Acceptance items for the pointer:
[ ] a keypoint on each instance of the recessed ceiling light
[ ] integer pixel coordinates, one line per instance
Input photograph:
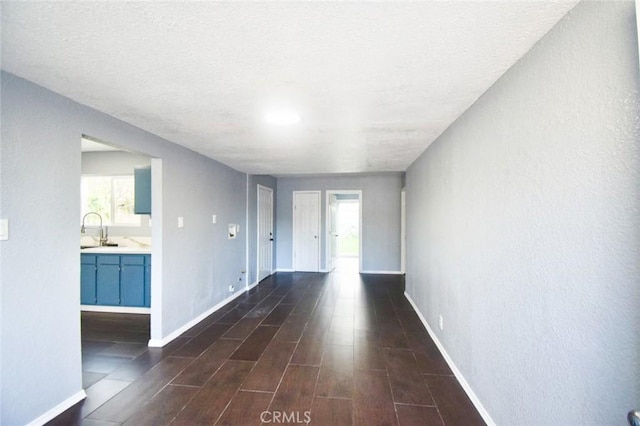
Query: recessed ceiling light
(282, 117)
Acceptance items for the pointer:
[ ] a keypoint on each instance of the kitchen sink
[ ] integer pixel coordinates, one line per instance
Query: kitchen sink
(106, 245)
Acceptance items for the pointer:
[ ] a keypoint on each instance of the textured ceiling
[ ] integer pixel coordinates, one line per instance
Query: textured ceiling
(374, 83)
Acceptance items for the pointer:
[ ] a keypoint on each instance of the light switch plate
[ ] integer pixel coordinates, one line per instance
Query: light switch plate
(4, 229)
(214, 219)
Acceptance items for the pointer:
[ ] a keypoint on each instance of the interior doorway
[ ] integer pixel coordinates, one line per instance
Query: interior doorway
(113, 228)
(120, 288)
(344, 230)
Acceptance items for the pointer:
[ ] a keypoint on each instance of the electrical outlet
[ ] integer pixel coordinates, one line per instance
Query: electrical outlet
(231, 288)
(180, 222)
(440, 322)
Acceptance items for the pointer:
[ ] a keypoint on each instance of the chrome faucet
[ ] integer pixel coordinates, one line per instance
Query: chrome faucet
(103, 235)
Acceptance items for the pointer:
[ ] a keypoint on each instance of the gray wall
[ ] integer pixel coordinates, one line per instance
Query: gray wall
(200, 262)
(254, 181)
(112, 162)
(380, 217)
(115, 163)
(40, 193)
(524, 231)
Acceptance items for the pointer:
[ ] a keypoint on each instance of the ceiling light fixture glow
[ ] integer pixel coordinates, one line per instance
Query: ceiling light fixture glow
(282, 117)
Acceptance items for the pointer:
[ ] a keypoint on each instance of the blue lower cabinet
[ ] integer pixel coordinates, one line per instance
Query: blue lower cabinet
(132, 281)
(116, 280)
(147, 282)
(108, 280)
(88, 270)
(108, 285)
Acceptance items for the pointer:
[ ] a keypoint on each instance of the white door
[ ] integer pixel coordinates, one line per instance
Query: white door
(306, 231)
(265, 232)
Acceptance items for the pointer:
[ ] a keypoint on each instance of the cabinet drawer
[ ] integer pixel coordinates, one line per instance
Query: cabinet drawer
(132, 259)
(108, 259)
(88, 259)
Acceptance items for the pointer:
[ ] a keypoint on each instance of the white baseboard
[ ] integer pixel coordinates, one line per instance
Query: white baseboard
(115, 309)
(463, 382)
(158, 343)
(362, 272)
(58, 409)
(252, 285)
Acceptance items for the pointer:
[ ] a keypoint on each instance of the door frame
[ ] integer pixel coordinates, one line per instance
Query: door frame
(403, 231)
(330, 192)
(293, 239)
(258, 232)
(329, 266)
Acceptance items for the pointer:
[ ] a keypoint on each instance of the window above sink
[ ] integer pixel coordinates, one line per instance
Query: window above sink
(110, 196)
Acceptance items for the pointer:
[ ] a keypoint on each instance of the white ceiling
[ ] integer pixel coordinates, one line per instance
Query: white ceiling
(374, 83)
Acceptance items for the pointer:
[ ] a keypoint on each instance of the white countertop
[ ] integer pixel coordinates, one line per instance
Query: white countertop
(117, 250)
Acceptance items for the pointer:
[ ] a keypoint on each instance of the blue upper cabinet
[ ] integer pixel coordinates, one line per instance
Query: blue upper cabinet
(142, 200)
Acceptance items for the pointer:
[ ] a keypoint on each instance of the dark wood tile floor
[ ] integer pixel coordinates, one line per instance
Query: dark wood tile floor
(332, 349)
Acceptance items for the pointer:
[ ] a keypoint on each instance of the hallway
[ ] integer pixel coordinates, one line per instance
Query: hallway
(338, 349)
(349, 265)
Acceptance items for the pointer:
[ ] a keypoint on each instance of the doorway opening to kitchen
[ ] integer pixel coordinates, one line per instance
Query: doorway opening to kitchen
(344, 226)
(117, 284)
